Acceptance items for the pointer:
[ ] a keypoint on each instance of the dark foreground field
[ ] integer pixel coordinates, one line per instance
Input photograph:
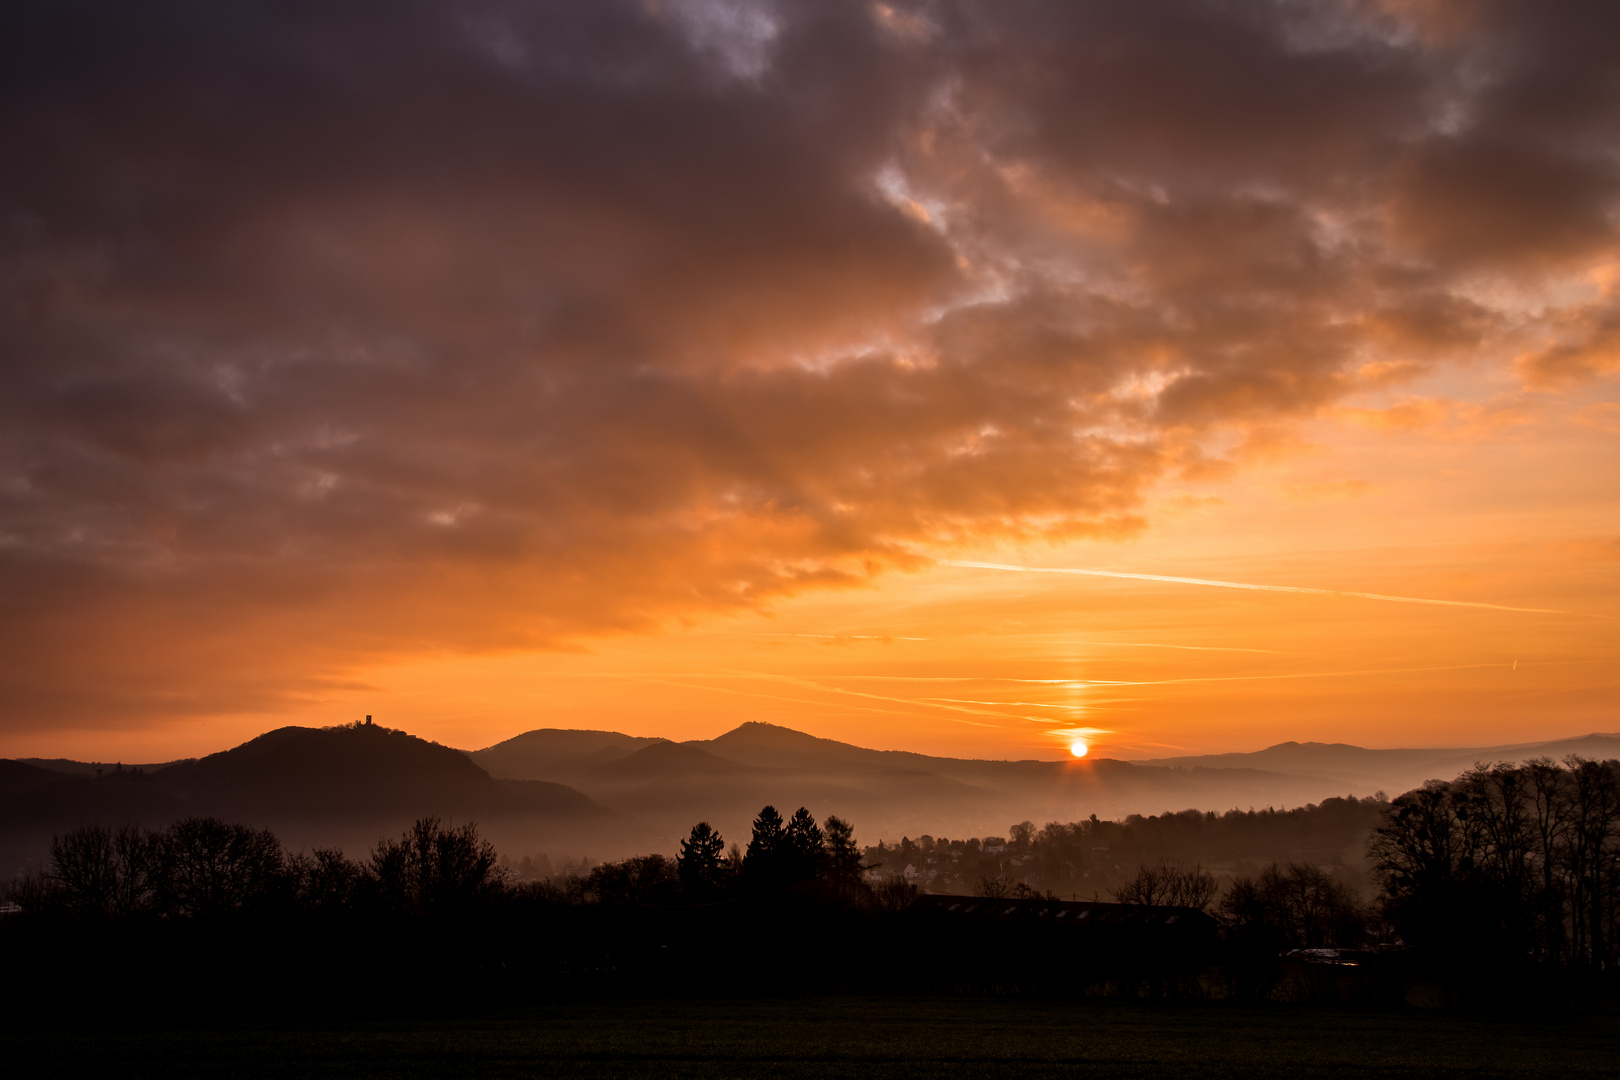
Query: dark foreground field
(844, 1037)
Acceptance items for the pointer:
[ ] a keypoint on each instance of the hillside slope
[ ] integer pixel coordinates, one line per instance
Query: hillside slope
(343, 787)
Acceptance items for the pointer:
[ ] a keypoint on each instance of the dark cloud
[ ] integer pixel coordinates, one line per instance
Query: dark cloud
(340, 332)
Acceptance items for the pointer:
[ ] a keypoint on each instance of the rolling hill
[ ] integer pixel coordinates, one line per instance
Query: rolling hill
(604, 793)
(668, 786)
(343, 787)
(889, 793)
(556, 753)
(1392, 770)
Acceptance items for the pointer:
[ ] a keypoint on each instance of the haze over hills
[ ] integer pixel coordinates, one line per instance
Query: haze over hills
(571, 793)
(1391, 770)
(552, 753)
(888, 793)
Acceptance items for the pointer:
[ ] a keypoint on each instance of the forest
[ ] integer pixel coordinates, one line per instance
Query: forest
(1507, 876)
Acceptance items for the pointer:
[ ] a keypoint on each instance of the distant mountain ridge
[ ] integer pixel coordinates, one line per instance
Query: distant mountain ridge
(551, 753)
(725, 779)
(1393, 769)
(91, 768)
(605, 792)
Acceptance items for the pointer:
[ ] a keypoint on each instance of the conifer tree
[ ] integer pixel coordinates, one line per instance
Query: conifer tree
(765, 845)
(803, 842)
(699, 864)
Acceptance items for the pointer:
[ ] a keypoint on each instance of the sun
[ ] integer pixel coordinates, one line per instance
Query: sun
(1078, 748)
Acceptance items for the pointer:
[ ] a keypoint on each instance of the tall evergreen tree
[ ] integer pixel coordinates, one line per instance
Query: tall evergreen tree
(803, 842)
(699, 864)
(767, 848)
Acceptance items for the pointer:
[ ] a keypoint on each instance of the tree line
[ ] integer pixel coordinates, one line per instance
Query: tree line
(204, 868)
(1521, 860)
(1094, 857)
(1516, 864)
(795, 852)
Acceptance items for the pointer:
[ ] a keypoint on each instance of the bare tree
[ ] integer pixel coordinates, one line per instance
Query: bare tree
(843, 855)
(1594, 813)
(1149, 888)
(209, 867)
(1169, 884)
(435, 869)
(994, 886)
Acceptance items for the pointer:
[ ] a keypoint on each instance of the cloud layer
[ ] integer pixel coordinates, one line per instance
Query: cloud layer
(341, 332)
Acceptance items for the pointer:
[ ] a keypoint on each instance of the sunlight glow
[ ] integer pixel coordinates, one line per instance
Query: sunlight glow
(1078, 748)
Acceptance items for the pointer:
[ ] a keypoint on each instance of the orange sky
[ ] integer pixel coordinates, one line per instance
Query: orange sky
(980, 663)
(647, 367)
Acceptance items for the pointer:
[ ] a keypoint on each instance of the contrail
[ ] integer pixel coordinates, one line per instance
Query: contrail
(850, 637)
(1256, 588)
(1190, 648)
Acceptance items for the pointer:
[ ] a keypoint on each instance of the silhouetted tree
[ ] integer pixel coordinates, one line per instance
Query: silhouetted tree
(1150, 887)
(1547, 806)
(802, 847)
(1419, 853)
(83, 870)
(763, 860)
(896, 894)
(994, 886)
(1021, 835)
(1194, 887)
(325, 880)
(210, 867)
(1594, 819)
(642, 879)
(101, 871)
(436, 870)
(843, 857)
(1170, 884)
(700, 862)
(1519, 861)
(1297, 906)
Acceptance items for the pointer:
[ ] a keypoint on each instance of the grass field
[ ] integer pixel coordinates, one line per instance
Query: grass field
(835, 1037)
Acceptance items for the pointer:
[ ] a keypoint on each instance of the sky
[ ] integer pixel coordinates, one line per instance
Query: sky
(662, 365)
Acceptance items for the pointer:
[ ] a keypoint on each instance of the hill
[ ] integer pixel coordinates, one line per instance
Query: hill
(604, 793)
(1392, 770)
(556, 753)
(888, 793)
(341, 787)
(297, 772)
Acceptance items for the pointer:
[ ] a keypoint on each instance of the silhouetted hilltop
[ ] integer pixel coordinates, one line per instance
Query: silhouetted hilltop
(774, 747)
(725, 780)
(556, 753)
(663, 759)
(1395, 769)
(92, 768)
(340, 786)
(19, 776)
(363, 768)
(36, 801)
(623, 793)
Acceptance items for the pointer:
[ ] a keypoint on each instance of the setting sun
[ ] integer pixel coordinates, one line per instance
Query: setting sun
(1078, 748)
